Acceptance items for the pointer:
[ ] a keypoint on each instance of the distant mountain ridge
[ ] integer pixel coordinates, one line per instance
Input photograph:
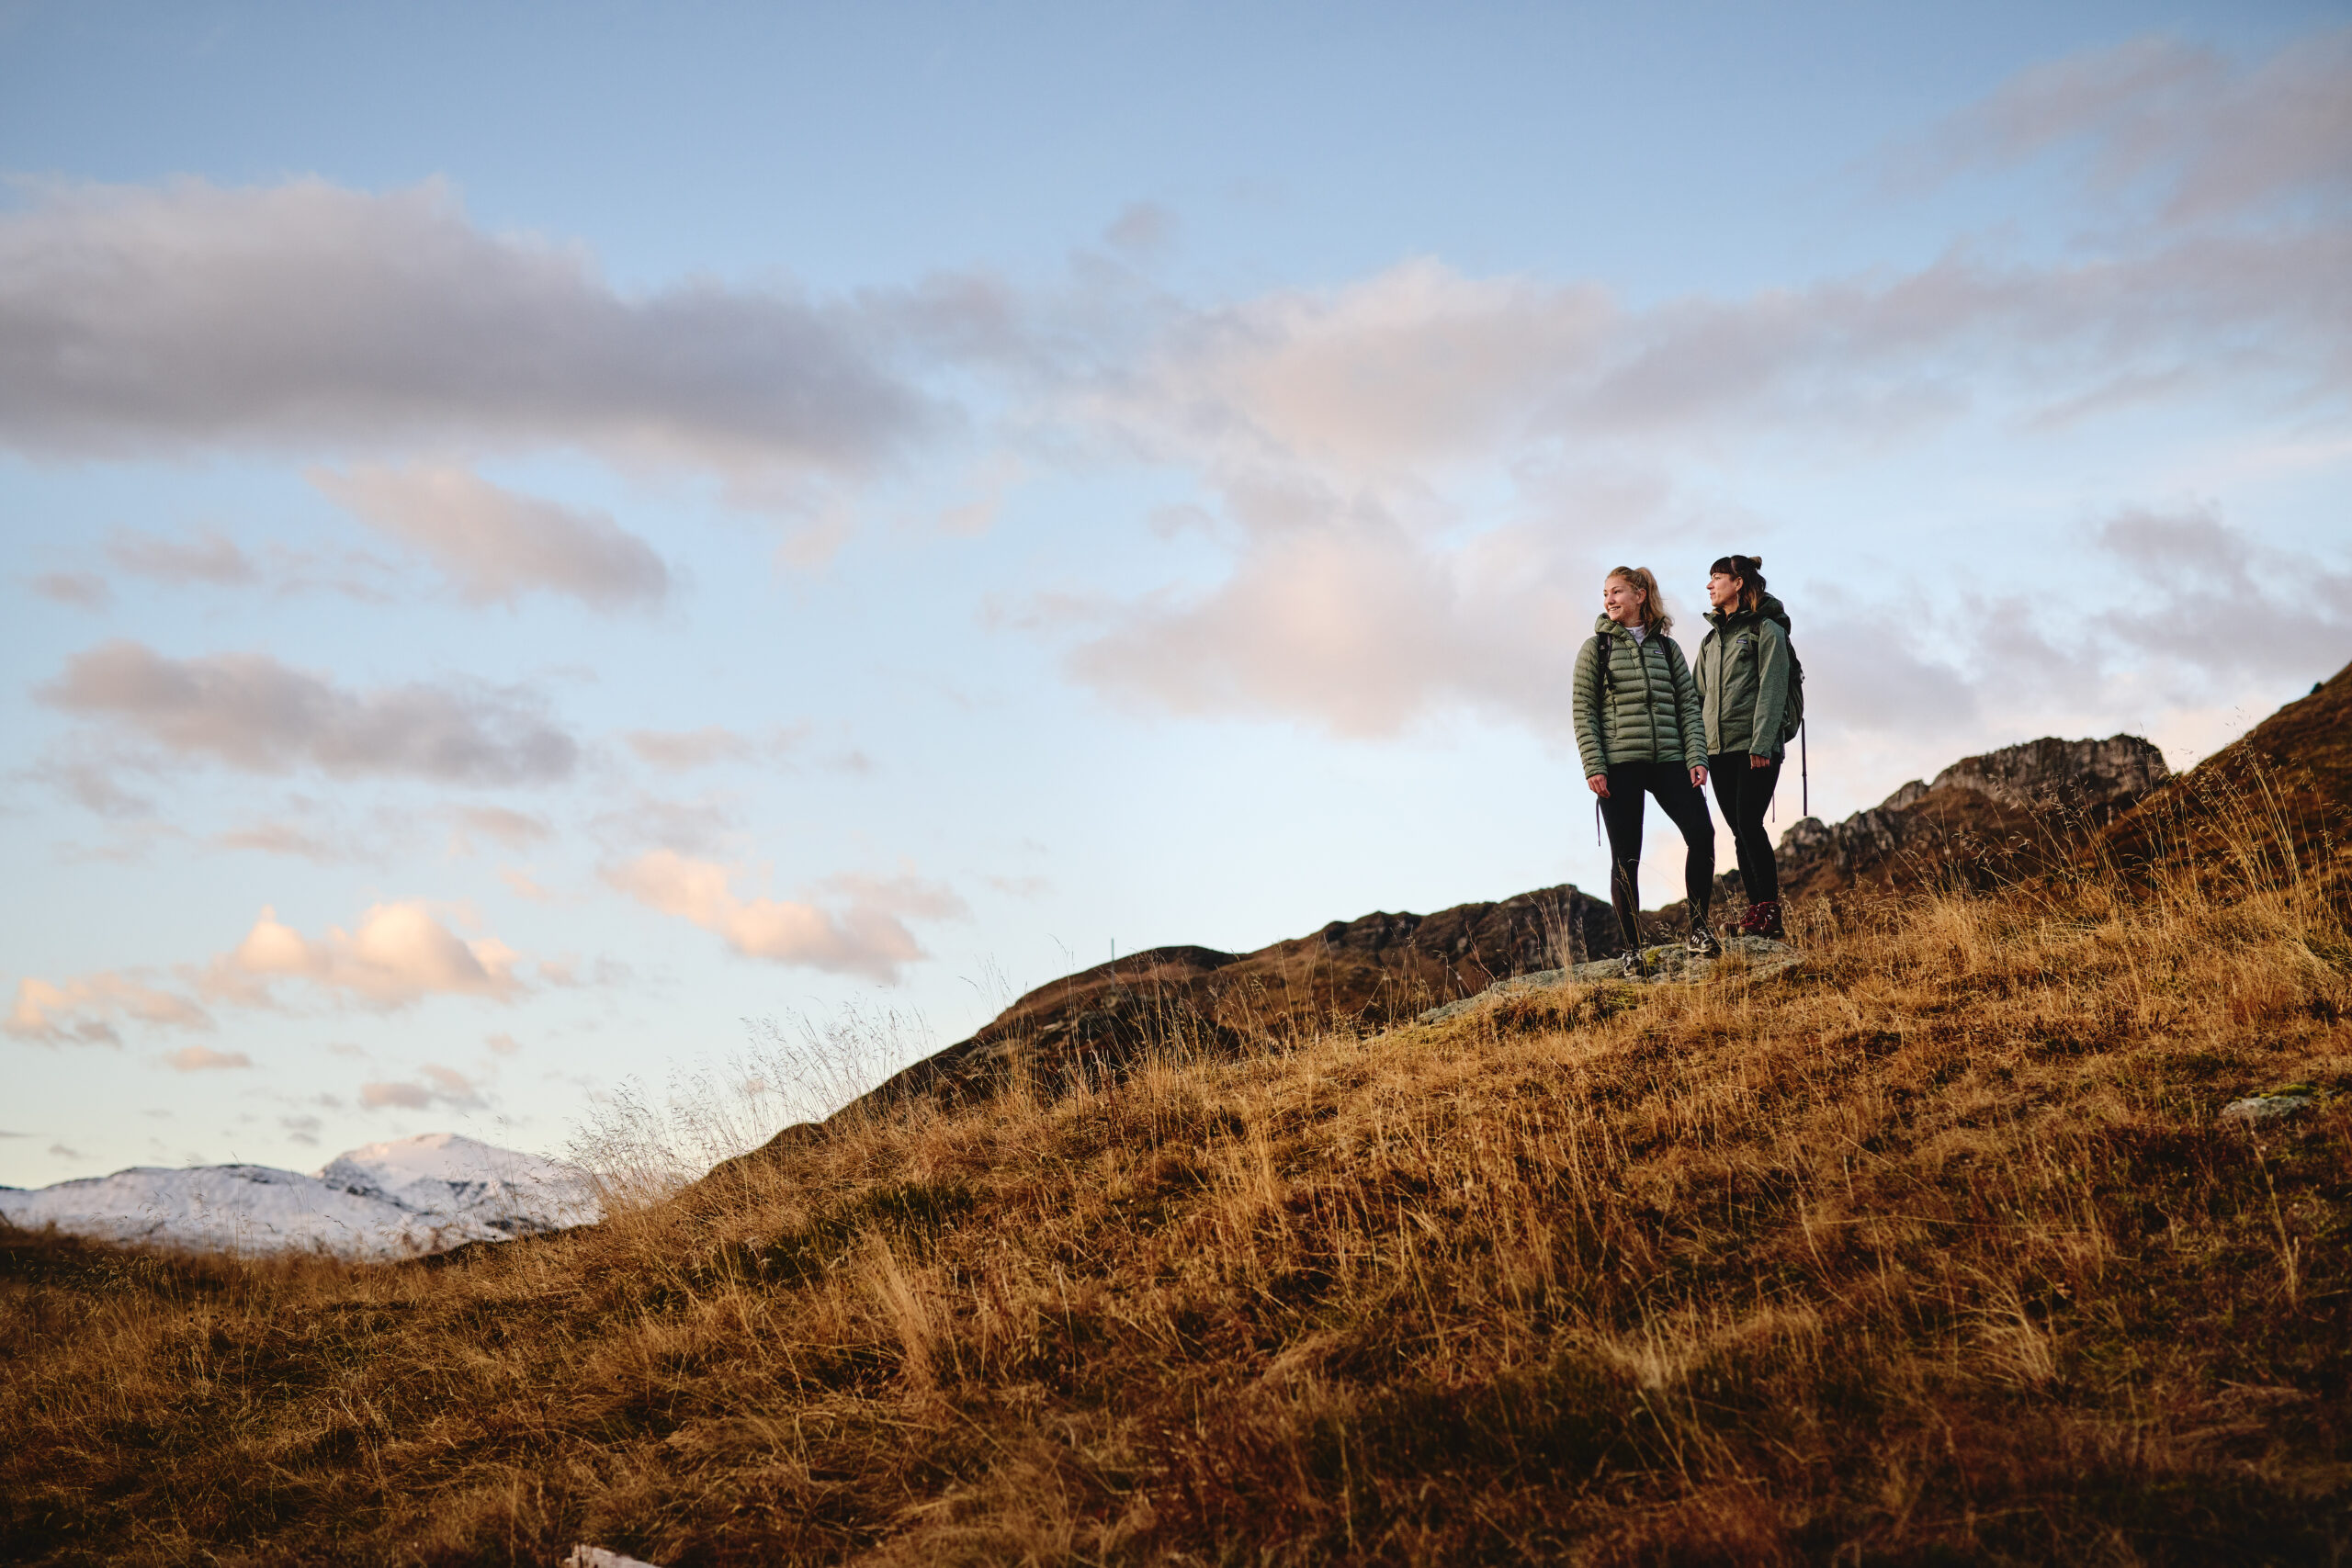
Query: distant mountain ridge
(406, 1198)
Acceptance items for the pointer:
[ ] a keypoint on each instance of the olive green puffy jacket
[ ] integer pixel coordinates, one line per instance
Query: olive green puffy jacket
(1650, 710)
(1744, 679)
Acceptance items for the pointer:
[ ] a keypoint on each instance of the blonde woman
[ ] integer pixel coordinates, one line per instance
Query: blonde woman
(1639, 730)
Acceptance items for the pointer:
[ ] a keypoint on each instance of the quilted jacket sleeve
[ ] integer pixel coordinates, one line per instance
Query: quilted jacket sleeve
(1587, 712)
(1687, 713)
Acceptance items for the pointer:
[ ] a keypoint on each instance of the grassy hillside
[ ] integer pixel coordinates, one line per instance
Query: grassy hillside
(2294, 768)
(1933, 1251)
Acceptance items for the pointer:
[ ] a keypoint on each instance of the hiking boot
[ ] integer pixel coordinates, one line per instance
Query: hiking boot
(1702, 943)
(1767, 921)
(1634, 969)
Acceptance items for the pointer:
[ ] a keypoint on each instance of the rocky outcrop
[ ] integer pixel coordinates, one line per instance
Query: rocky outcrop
(1742, 958)
(1982, 818)
(1370, 972)
(2048, 775)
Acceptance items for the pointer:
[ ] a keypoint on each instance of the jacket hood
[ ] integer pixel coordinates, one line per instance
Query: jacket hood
(1768, 608)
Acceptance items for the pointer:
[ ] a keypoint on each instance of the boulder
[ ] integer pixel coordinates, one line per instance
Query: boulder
(2274, 1103)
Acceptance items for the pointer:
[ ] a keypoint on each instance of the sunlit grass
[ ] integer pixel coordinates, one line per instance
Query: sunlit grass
(1933, 1249)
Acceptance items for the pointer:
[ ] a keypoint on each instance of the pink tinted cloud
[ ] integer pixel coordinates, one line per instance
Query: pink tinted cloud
(496, 545)
(863, 934)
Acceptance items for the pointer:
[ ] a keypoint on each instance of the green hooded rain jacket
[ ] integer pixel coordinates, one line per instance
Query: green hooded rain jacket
(1744, 679)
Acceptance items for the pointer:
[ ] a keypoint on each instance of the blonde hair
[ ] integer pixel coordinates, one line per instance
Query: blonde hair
(1653, 611)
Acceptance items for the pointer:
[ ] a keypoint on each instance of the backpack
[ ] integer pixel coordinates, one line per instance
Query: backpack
(1792, 725)
(1792, 709)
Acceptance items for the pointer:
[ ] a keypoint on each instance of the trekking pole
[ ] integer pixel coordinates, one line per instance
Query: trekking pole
(1804, 770)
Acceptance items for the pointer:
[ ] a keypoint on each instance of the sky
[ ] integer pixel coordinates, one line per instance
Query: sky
(558, 558)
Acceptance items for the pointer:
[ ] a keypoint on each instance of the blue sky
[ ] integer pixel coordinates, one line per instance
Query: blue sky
(537, 535)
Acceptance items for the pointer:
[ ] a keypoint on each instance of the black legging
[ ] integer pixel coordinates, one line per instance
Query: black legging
(1686, 807)
(1744, 792)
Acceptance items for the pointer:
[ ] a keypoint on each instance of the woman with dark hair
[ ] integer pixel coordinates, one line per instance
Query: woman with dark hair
(1639, 730)
(1743, 678)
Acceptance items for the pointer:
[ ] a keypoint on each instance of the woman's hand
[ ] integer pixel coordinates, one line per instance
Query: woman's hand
(1699, 777)
(1599, 782)
(1756, 761)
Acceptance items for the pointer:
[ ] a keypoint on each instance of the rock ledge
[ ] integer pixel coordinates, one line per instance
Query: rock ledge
(1744, 958)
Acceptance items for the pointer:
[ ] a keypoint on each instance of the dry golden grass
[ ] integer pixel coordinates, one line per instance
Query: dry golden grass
(1933, 1251)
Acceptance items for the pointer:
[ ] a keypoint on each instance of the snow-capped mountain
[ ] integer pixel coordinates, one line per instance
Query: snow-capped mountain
(402, 1198)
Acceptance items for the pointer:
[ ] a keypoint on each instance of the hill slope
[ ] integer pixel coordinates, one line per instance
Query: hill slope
(1369, 972)
(1984, 818)
(2293, 771)
(1933, 1250)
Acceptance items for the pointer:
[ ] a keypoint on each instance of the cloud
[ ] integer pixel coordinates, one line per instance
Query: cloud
(214, 560)
(399, 955)
(281, 839)
(690, 827)
(565, 972)
(866, 937)
(680, 751)
(84, 1010)
(444, 1087)
(1364, 628)
(497, 544)
(2221, 603)
(94, 777)
(1369, 457)
(198, 1058)
(1306, 409)
(256, 714)
(306, 316)
(2214, 136)
(83, 590)
(523, 885)
(502, 1044)
(912, 896)
(2207, 610)
(1143, 230)
(993, 481)
(515, 830)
